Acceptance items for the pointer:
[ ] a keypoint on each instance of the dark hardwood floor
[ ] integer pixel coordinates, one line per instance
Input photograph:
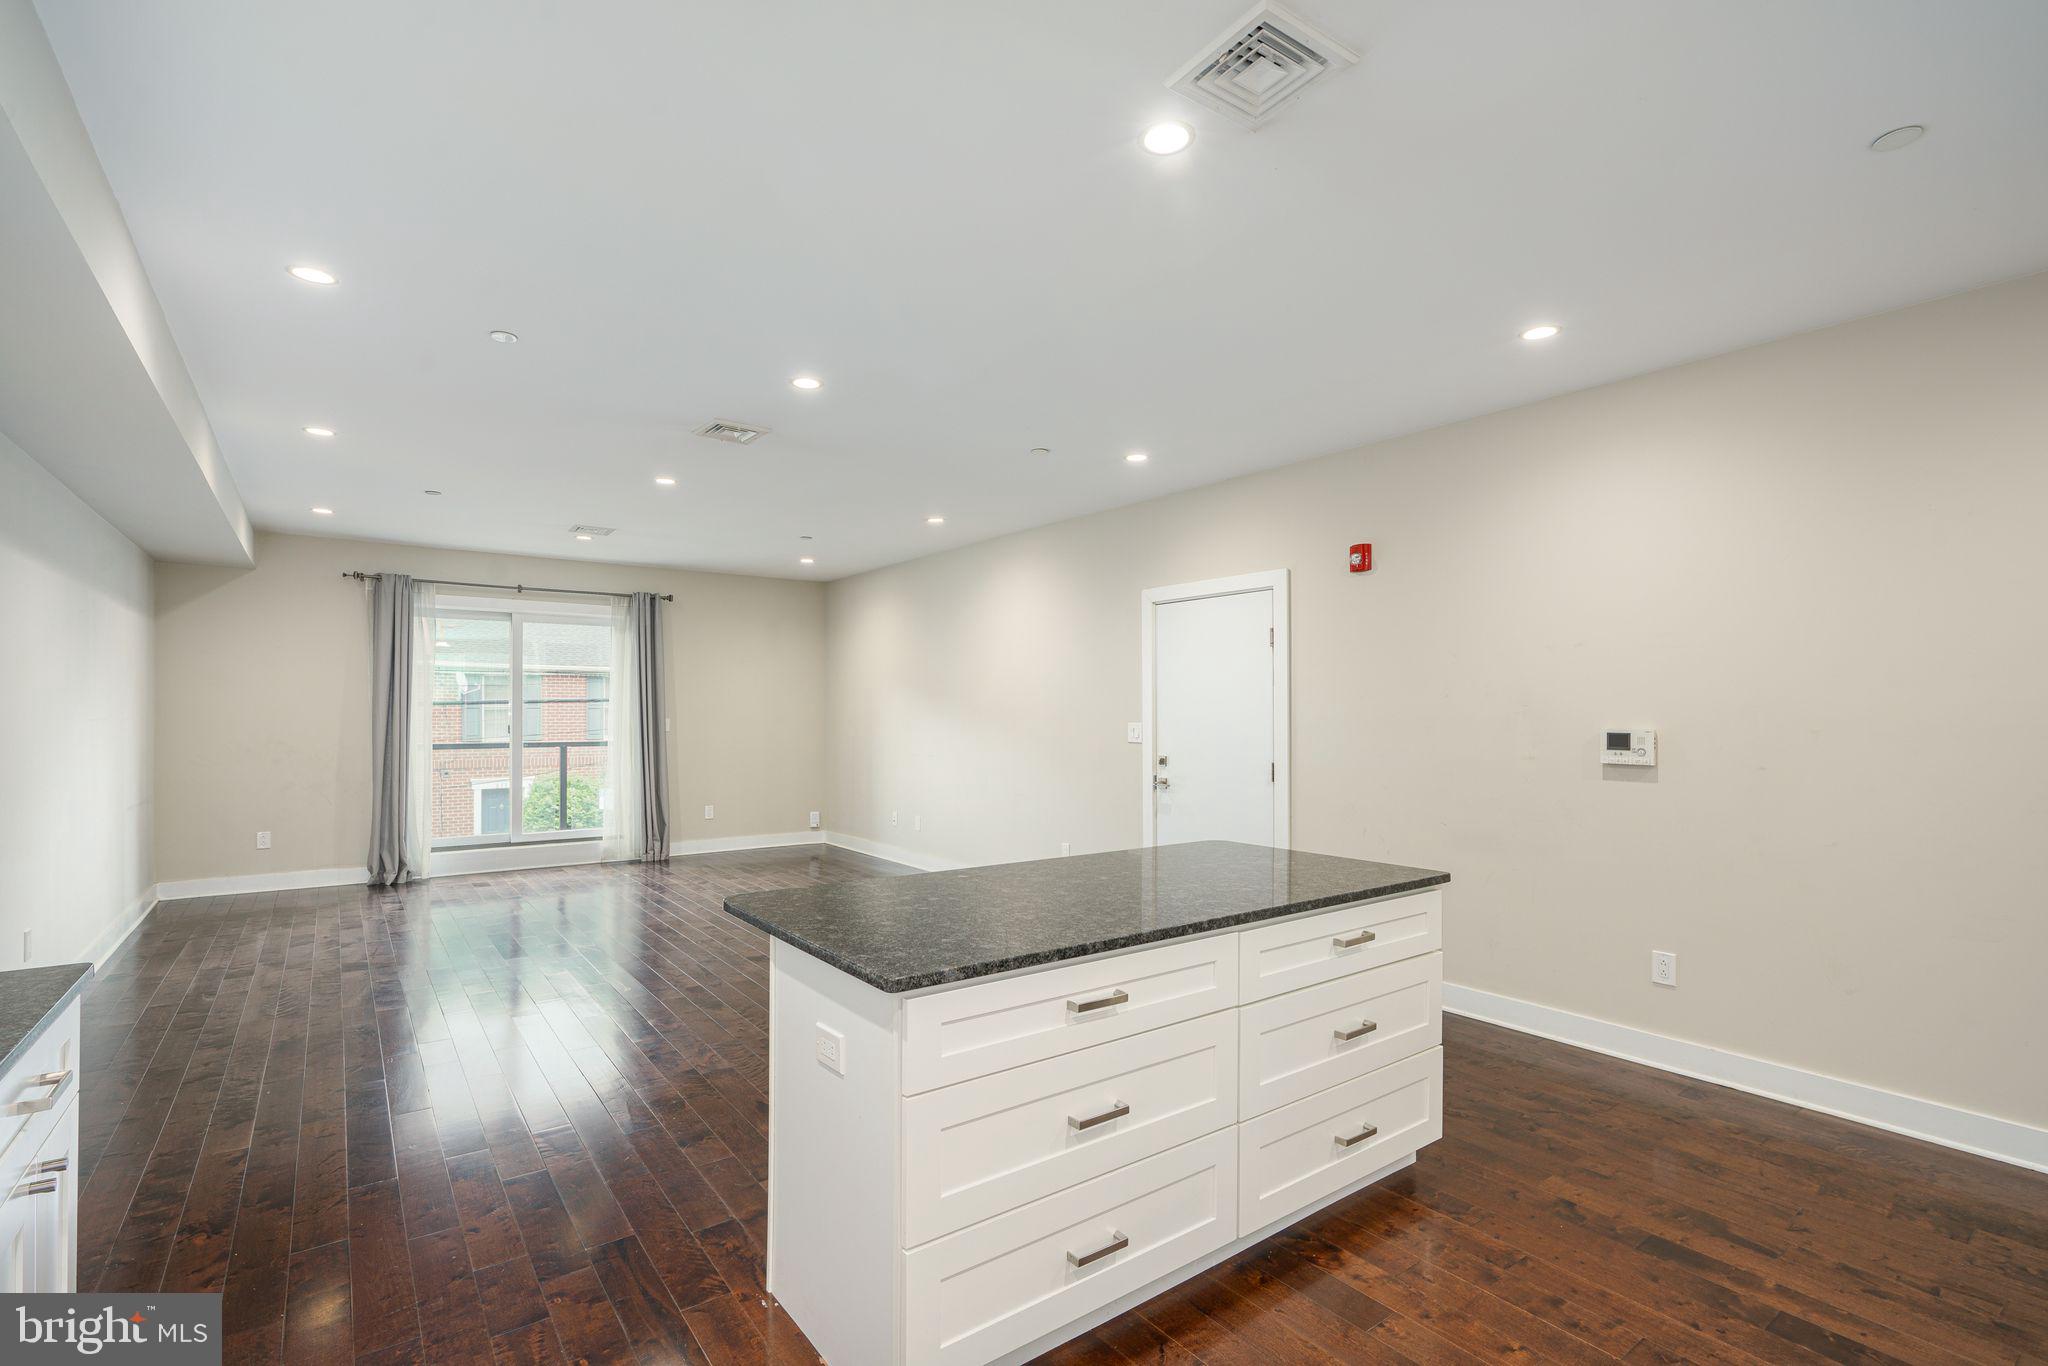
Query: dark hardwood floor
(524, 1117)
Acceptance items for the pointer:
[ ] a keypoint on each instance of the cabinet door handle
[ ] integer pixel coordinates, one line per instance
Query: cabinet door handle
(1352, 941)
(55, 1164)
(56, 1081)
(37, 1188)
(1115, 998)
(1350, 1140)
(1117, 1243)
(1117, 1110)
(1365, 1027)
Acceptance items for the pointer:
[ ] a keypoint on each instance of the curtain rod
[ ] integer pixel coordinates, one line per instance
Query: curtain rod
(513, 587)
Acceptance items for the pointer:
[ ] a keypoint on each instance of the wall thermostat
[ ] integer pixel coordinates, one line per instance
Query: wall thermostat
(1637, 748)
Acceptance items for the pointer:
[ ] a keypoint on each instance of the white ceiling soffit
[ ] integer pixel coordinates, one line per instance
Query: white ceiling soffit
(982, 260)
(91, 384)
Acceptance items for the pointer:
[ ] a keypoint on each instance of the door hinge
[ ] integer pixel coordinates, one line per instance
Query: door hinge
(1269, 635)
(1273, 772)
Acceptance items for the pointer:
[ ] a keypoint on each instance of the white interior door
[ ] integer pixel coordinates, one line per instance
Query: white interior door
(1215, 766)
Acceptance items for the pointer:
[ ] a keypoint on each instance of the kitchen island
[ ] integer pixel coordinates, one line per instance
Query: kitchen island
(1008, 1103)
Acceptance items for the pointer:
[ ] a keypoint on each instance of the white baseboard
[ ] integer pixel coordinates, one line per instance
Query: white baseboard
(727, 843)
(512, 858)
(924, 863)
(1985, 1135)
(261, 882)
(116, 934)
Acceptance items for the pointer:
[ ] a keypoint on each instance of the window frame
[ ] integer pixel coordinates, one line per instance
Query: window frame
(518, 617)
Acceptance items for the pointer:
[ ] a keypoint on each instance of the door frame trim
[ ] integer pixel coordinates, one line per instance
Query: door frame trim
(1149, 602)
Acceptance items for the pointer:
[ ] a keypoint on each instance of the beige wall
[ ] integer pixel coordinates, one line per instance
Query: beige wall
(263, 699)
(1818, 566)
(74, 695)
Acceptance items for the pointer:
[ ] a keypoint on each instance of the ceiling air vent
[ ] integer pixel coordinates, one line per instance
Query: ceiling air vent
(738, 433)
(1256, 68)
(592, 530)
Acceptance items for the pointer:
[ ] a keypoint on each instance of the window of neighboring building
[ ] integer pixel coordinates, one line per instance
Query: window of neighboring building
(594, 705)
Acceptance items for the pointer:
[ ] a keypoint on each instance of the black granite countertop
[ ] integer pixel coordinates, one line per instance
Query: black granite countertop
(903, 933)
(30, 999)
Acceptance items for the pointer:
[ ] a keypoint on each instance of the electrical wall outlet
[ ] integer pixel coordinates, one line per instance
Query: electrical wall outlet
(892, 818)
(1065, 849)
(831, 1049)
(917, 822)
(707, 813)
(262, 839)
(814, 820)
(1663, 967)
(26, 956)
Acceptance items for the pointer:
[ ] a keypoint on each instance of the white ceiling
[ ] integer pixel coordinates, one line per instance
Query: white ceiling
(943, 210)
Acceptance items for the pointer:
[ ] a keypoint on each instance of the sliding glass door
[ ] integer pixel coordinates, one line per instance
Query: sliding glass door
(527, 764)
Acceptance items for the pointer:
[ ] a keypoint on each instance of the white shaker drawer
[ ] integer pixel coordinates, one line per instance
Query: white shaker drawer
(1295, 1045)
(43, 1080)
(984, 1146)
(1315, 948)
(985, 1290)
(1294, 1156)
(984, 1027)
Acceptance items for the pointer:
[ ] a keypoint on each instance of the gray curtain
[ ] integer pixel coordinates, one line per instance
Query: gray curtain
(391, 669)
(643, 619)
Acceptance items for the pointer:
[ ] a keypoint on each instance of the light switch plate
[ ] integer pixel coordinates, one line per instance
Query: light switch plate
(1134, 732)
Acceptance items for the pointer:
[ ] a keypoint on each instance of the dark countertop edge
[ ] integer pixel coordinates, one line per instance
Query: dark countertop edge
(71, 993)
(1038, 958)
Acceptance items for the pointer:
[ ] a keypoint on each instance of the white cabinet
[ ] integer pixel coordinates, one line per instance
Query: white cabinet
(39, 1163)
(986, 1169)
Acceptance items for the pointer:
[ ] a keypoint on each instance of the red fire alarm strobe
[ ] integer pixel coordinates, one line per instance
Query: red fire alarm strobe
(1361, 557)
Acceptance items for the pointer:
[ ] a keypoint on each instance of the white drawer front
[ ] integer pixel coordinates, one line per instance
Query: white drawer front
(1293, 1046)
(987, 1289)
(1300, 953)
(29, 1107)
(1294, 1156)
(984, 1146)
(984, 1027)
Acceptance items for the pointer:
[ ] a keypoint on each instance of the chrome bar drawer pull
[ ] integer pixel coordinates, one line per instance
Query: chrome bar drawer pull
(37, 1188)
(1365, 1027)
(1117, 1243)
(1115, 998)
(55, 1164)
(1346, 1141)
(56, 1081)
(1117, 1110)
(1352, 941)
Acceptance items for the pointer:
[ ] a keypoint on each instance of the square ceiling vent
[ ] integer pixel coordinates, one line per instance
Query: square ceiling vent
(738, 433)
(1260, 64)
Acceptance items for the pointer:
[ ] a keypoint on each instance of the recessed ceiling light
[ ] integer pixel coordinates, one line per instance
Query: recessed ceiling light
(1540, 332)
(582, 535)
(806, 538)
(323, 512)
(501, 335)
(805, 559)
(1041, 450)
(1898, 137)
(312, 275)
(322, 432)
(934, 521)
(663, 479)
(1164, 139)
(1136, 458)
(808, 382)
(431, 493)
